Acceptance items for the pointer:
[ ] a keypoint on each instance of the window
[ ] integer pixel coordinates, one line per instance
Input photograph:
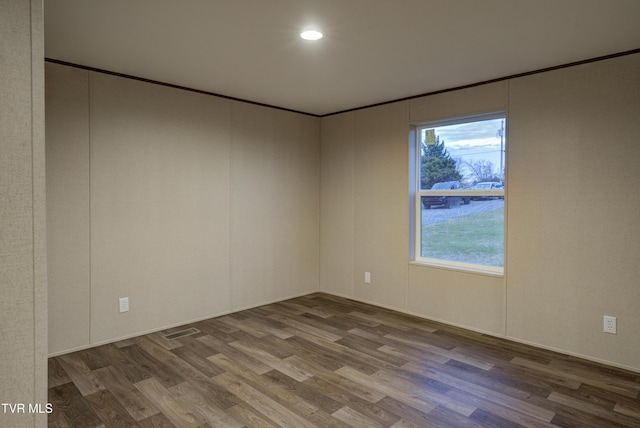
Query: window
(458, 179)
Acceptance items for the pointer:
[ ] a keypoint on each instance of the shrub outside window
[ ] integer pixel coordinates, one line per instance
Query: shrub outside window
(459, 180)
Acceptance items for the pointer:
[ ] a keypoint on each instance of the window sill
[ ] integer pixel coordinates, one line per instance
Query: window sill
(464, 269)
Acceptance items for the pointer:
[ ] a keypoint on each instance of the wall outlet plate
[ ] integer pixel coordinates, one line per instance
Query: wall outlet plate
(610, 325)
(367, 277)
(124, 304)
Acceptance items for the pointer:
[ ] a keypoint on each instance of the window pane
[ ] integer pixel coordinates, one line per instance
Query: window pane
(471, 233)
(468, 153)
(457, 156)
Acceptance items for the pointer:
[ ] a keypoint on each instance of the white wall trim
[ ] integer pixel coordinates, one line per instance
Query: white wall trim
(493, 334)
(174, 325)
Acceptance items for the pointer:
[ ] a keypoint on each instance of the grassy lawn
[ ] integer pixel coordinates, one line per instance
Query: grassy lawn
(477, 239)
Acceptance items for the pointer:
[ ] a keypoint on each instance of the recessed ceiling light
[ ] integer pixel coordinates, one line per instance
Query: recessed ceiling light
(311, 35)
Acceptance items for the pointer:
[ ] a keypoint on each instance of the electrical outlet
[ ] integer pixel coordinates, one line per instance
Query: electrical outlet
(124, 304)
(610, 324)
(367, 277)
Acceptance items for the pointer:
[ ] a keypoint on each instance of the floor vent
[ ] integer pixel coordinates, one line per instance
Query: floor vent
(181, 333)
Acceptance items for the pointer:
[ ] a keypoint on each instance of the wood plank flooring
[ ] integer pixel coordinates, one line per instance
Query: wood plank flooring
(324, 361)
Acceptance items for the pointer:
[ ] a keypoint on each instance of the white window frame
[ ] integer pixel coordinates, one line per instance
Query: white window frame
(416, 193)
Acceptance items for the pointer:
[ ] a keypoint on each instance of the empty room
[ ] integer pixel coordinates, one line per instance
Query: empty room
(320, 213)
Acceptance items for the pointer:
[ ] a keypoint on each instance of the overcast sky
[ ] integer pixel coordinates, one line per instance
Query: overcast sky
(473, 141)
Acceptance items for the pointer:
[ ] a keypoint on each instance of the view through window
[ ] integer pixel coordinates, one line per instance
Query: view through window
(460, 178)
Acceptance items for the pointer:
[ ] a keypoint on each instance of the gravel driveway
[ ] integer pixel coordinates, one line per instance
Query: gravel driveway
(440, 214)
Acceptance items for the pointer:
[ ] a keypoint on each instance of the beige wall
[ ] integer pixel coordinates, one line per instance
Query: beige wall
(459, 298)
(574, 234)
(140, 184)
(380, 211)
(363, 220)
(289, 215)
(336, 204)
(572, 251)
(159, 181)
(23, 306)
(274, 204)
(68, 231)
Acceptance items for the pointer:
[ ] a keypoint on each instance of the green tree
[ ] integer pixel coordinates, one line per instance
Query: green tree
(437, 165)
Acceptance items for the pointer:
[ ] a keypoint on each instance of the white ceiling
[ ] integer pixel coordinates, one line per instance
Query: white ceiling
(373, 50)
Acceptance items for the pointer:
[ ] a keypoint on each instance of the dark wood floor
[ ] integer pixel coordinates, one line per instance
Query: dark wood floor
(324, 361)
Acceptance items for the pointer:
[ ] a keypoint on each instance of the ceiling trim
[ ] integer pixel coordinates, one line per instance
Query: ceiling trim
(171, 85)
(499, 79)
(513, 76)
